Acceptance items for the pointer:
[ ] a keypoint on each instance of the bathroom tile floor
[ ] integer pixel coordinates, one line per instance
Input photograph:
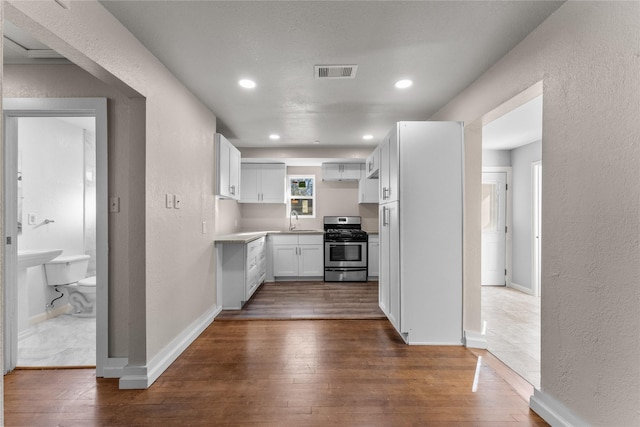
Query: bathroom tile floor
(513, 329)
(62, 341)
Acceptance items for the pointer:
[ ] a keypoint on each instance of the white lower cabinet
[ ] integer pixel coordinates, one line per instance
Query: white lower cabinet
(298, 255)
(374, 255)
(242, 268)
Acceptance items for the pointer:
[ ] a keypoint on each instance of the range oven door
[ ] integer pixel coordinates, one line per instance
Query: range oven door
(345, 254)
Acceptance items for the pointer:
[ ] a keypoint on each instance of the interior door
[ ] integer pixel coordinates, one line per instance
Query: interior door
(493, 218)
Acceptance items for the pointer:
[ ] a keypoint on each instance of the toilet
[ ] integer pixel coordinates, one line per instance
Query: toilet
(68, 272)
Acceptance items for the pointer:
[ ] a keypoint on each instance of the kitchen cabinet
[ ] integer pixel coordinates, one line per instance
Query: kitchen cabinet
(341, 171)
(420, 281)
(372, 164)
(388, 173)
(374, 255)
(263, 182)
(368, 190)
(242, 268)
(227, 168)
(298, 255)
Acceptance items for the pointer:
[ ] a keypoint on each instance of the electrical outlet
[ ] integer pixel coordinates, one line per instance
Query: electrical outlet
(177, 201)
(204, 227)
(169, 201)
(32, 219)
(114, 204)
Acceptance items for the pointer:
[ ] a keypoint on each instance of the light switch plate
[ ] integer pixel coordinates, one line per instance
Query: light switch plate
(32, 219)
(177, 201)
(169, 201)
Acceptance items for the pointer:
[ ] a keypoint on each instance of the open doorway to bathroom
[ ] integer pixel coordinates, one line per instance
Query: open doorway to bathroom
(55, 224)
(511, 149)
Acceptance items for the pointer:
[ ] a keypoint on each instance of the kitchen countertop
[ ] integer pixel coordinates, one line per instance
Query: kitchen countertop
(249, 236)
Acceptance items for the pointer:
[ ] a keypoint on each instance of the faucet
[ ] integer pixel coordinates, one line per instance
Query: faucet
(293, 212)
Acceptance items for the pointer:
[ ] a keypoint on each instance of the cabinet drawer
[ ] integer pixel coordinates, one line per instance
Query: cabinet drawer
(310, 239)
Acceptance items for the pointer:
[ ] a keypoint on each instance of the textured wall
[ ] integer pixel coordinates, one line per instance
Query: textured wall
(176, 258)
(588, 55)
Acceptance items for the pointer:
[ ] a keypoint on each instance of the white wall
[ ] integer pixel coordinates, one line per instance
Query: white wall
(522, 208)
(588, 55)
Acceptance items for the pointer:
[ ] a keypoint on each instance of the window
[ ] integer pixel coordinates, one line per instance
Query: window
(301, 195)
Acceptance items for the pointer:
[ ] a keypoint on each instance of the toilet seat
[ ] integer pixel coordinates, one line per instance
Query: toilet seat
(87, 283)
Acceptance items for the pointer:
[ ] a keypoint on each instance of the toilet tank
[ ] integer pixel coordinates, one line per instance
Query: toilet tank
(66, 269)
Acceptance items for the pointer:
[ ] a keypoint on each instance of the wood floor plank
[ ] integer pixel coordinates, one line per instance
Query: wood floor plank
(284, 373)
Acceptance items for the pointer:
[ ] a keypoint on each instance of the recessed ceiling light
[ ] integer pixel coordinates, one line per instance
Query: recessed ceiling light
(274, 136)
(367, 137)
(403, 84)
(247, 84)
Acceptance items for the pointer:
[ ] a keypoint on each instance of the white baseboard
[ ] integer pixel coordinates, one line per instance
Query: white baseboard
(58, 311)
(521, 288)
(475, 340)
(113, 368)
(552, 411)
(142, 376)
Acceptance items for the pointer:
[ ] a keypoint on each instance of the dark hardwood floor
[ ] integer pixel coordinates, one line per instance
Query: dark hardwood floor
(284, 373)
(310, 300)
(349, 369)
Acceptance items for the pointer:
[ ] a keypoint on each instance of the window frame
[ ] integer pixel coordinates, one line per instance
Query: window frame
(312, 197)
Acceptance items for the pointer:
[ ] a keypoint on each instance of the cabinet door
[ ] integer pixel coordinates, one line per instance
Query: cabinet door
(250, 178)
(311, 260)
(389, 279)
(273, 183)
(234, 172)
(372, 165)
(331, 171)
(389, 168)
(374, 256)
(368, 190)
(383, 278)
(222, 151)
(285, 260)
(393, 226)
(351, 171)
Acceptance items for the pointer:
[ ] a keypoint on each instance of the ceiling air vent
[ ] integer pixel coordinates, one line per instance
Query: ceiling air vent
(335, 71)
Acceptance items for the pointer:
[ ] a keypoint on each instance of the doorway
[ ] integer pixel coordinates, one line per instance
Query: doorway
(511, 313)
(53, 202)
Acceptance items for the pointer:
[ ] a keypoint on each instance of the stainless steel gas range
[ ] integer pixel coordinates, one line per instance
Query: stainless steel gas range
(345, 249)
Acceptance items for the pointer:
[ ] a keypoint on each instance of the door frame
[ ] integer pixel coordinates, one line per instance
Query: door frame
(508, 242)
(13, 108)
(536, 227)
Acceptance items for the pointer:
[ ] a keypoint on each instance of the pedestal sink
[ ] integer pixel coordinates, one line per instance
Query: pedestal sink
(26, 259)
(36, 257)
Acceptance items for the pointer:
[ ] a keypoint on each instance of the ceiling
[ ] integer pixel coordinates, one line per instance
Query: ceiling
(442, 46)
(518, 127)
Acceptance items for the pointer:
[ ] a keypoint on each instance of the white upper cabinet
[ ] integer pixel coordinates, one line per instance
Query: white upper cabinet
(372, 165)
(388, 172)
(228, 168)
(263, 183)
(341, 171)
(368, 190)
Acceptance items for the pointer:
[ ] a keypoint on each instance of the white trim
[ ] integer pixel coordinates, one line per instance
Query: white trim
(508, 262)
(520, 288)
(552, 411)
(42, 317)
(475, 340)
(142, 376)
(535, 275)
(56, 107)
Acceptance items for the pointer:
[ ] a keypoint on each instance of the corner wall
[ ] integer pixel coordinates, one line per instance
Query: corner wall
(177, 150)
(588, 55)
